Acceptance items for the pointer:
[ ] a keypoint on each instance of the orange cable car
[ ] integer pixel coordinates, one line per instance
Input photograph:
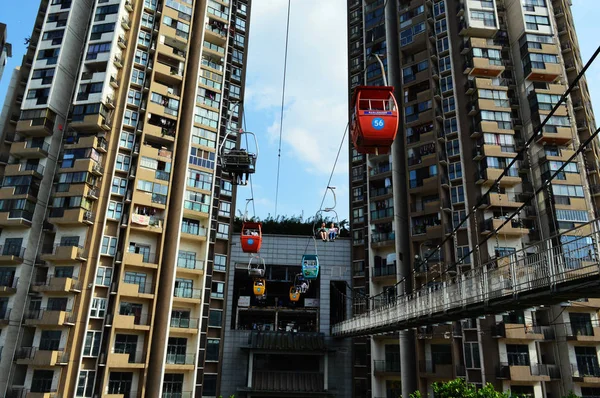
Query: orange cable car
(251, 237)
(374, 120)
(294, 294)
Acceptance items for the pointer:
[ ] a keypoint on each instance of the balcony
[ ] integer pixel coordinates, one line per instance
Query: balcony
(184, 325)
(180, 361)
(126, 360)
(379, 193)
(431, 370)
(43, 317)
(130, 322)
(562, 136)
(33, 356)
(187, 295)
(95, 122)
(38, 127)
(383, 239)
(193, 233)
(589, 372)
(386, 368)
(141, 260)
(53, 285)
(501, 200)
(488, 176)
(484, 67)
(8, 285)
(513, 331)
(142, 290)
(583, 332)
(190, 267)
(16, 218)
(11, 254)
(29, 149)
(77, 216)
(548, 74)
(147, 223)
(526, 373)
(287, 381)
(63, 254)
(512, 228)
(381, 171)
(24, 169)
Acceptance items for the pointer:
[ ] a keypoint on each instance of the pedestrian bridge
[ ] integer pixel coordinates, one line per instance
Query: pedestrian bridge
(565, 267)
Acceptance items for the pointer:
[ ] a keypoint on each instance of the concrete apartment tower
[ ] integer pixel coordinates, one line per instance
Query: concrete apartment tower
(5, 49)
(114, 210)
(476, 78)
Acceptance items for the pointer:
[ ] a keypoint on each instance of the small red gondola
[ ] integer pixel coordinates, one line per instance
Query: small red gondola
(251, 237)
(374, 120)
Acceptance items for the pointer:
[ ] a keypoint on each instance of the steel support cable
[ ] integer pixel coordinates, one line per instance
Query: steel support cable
(523, 150)
(330, 178)
(545, 184)
(287, 35)
(504, 171)
(250, 176)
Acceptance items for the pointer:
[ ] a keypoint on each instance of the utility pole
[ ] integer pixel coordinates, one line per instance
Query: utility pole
(401, 222)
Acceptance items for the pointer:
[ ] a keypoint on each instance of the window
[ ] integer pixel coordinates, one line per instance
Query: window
(218, 290)
(109, 245)
(50, 340)
(457, 194)
(209, 385)
(102, 12)
(223, 231)
(176, 350)
(472, 360)
(203, 137)
(449, 104)
(462, 251)
(407, 35)
(534, 22)
(196, 201)
(99, 29)
(226, 188)
(439, 8)
(443, 45)
(97, 48)
(445, 64)
(130, 118)
(220, 262)
(441, 354)
(120, 383)
(147, 20)
(134, 97)
(453, 147)
(98, 307)
(202, 158)
(173, 385)
(446, 83)
(215, 318)
(212, 349)
(119, 186)
(487, 17)
(85, 383)
(103, 276)
(181, 28)
(144, 39)
(42, 381)
(224, 209)
(517, 354)
(141, 57)
(137, 278)
(93, 338)
(114, 210)
(455, 170)
(234, 91)
(441, 26)
(137, 77)
(567, 190)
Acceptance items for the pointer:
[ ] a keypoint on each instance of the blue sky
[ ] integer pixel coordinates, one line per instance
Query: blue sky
(316, 95)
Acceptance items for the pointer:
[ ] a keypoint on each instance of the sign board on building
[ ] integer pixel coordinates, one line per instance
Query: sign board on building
(310, 302)
(244, 301)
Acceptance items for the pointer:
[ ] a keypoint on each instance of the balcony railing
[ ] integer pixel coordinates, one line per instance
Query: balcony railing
(587, 369)
(190, 264)
(385, 270)
(181, 359)
(187, 292)
(383, 213)
(387, 366)
(378, 237)
(184, 323)
(12, 250)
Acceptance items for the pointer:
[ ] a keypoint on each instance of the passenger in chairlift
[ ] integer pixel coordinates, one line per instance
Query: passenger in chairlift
(323, 232)
(332, 232)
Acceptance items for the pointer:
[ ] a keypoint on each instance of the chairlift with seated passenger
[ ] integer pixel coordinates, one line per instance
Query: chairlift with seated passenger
(260, 287)
(310, 266)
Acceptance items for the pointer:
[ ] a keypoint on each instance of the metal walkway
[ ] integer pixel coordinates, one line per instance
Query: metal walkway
(563, 268)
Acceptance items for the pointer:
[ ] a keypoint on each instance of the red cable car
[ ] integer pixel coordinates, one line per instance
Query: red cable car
(375, 119)
(251, 237)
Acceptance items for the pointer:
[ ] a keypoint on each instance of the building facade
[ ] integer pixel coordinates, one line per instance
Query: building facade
(274, 346)
(114, 210)
(477, 79)
(5, 49)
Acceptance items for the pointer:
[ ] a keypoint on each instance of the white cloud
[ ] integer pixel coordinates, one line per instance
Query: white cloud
(316, 107)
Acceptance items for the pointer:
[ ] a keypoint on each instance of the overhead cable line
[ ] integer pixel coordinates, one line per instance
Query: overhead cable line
(287, 35)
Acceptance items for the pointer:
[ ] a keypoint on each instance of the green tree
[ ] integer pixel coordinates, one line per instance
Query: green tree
(458, 388)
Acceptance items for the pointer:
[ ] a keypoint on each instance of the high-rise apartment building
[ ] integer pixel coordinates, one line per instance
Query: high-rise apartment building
(114, 210)
(5, 49)
(476, 79)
